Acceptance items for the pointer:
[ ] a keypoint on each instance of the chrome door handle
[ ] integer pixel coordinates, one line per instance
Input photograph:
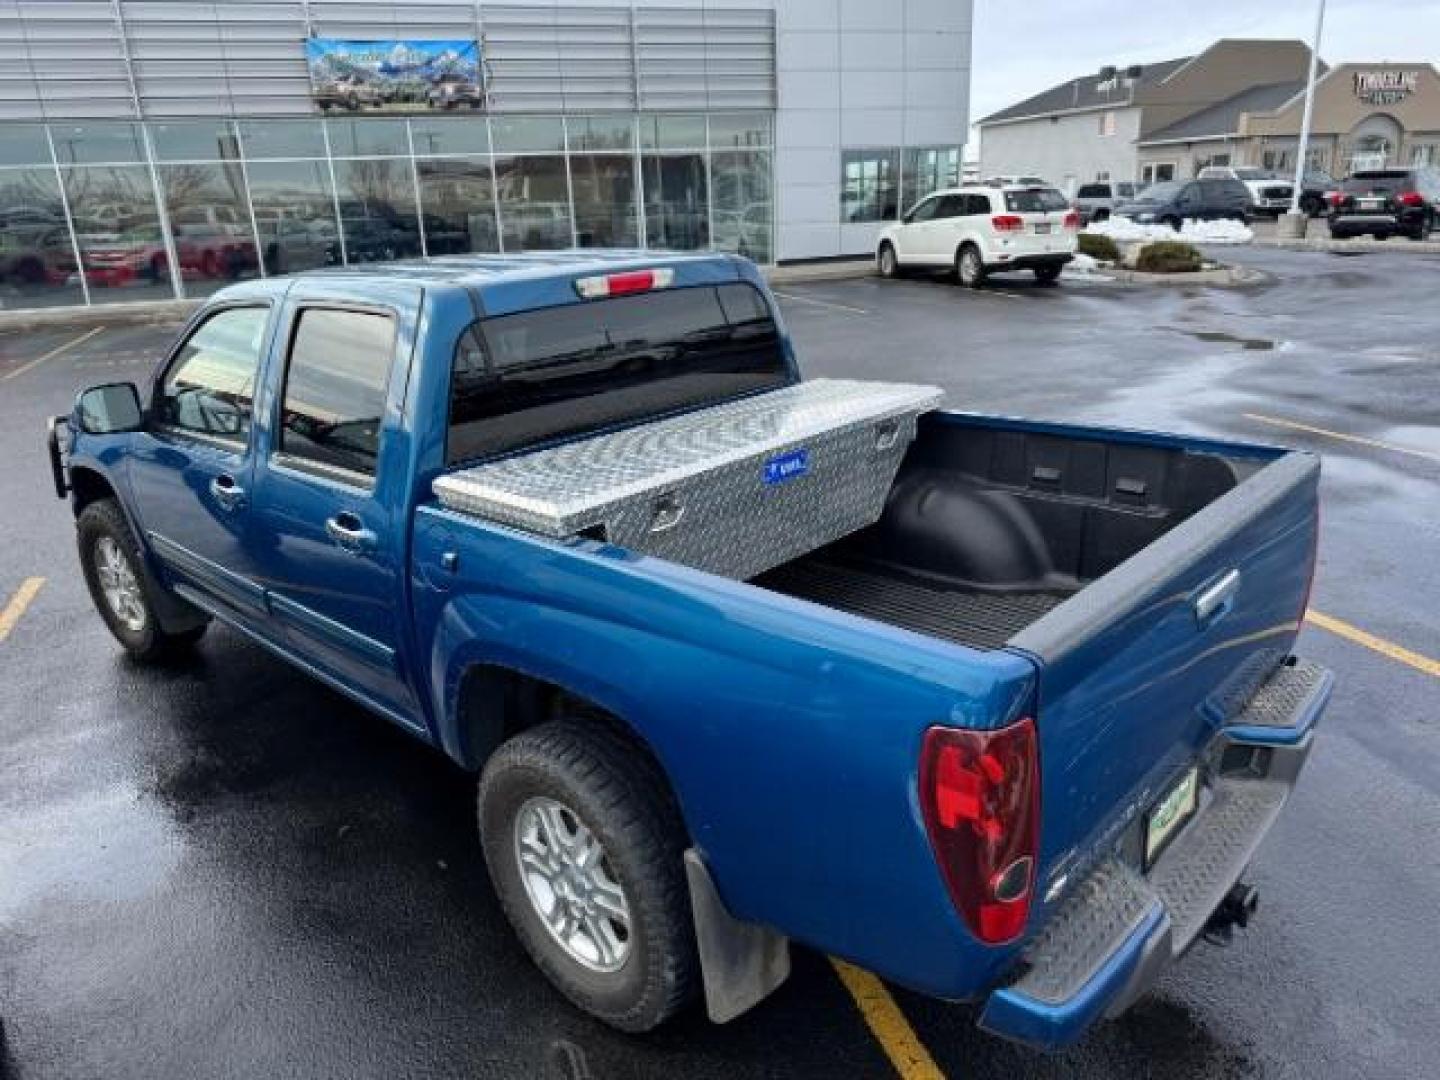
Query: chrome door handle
(1217, 599)
(347, 531)
(226, 492)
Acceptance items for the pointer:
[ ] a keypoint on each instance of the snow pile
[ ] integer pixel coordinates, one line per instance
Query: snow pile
(1083, 266)
(1126, 231)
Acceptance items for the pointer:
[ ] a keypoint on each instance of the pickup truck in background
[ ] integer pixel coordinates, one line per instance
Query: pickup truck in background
(1009, 735)
(1269, 193)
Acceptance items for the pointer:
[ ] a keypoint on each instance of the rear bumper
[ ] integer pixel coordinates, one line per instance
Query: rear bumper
(1376, 223)
(1108, 942)
(1029, 262)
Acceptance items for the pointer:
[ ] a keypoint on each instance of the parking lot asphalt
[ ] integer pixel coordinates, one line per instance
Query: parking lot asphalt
(224, 869)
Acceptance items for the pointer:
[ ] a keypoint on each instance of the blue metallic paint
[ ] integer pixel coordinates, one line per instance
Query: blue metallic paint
(790, 731)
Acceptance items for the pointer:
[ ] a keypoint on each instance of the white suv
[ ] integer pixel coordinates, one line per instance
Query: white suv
(980, 229)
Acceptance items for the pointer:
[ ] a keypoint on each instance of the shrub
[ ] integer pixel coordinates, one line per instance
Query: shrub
(1168, 257)
(1099, 246)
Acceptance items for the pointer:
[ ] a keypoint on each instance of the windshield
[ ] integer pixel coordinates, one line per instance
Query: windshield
(519, 380)
(1251, 174)
(1035, 201)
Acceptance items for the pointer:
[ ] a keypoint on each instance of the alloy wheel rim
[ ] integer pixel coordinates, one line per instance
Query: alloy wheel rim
(570, 885)
(119, 584)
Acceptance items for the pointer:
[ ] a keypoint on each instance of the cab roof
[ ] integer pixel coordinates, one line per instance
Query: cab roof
(503, 284)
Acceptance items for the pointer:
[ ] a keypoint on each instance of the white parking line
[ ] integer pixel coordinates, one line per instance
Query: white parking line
(23, 368)
(819, 303)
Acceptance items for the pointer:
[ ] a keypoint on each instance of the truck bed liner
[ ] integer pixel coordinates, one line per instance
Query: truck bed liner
(983, 620)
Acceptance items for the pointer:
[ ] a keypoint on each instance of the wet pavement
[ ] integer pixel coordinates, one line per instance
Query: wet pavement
(223, 869)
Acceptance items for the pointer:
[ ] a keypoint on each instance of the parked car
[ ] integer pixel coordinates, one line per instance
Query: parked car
(1269, 194)
(349, 93)
(982, 229)
(36, 256)
(1031, 724)
(1385, 203)
(1096, 202)
(1315, 186)
(1023, 181)
(1172, 202)
(455, 91)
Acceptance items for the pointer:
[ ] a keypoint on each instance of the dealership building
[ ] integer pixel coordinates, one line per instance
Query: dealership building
(160, 148)
(1240, 102)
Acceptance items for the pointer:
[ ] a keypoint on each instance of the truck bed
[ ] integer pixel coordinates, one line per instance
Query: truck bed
(983, 620)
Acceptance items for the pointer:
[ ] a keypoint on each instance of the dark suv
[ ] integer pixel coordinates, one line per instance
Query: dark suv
(1386, 202)
(1170, 202)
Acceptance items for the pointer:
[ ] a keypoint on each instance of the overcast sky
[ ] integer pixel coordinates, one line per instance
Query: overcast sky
(1022, 48)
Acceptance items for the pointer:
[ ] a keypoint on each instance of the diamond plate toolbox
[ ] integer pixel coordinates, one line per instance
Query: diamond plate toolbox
(735, 489)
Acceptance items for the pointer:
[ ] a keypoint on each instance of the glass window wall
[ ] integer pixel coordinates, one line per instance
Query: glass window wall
(927, 169)
(534, 195)
(868, 185)
(210, 222)
(249, 197)
(295, 214)
(457, 200)
(37, 259)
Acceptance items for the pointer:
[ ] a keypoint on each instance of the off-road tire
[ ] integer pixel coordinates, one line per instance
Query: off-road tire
(151, 642)
(618, 792)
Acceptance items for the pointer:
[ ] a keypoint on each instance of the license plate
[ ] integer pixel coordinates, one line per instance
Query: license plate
(1042, 228)
(1170, 814)
(1371, 204)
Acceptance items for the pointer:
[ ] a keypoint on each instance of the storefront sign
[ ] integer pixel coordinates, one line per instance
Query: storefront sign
(1385, 87)
(396, 75)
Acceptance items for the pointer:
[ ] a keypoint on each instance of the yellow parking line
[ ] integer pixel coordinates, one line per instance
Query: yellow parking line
(888, 1024)
(17, 605)
(1370, 641)
(1327, 433)
(51, 354)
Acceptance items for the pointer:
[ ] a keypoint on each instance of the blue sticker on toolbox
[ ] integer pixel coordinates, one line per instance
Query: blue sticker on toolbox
(787, 466)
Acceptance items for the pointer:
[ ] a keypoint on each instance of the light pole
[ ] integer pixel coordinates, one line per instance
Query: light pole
(1295, 220)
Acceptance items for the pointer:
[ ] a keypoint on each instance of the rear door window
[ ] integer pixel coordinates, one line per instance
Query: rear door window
(334, 399)
(1093, 191)
(529, 378)
(1035, 201)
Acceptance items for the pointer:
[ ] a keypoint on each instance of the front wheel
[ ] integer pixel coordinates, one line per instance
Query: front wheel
(121, 587)
(969, 267)
(585, 847)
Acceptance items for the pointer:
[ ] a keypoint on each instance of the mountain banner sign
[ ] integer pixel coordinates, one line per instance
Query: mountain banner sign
(396, 75)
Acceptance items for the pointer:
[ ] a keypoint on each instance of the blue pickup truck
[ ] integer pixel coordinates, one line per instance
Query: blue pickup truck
(1012, 740)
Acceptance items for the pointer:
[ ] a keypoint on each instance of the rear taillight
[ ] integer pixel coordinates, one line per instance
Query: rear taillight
(1007, 222)
(1072, 220)
(1410, 198)
(980, 794)
(625, 282)
(1334, 198)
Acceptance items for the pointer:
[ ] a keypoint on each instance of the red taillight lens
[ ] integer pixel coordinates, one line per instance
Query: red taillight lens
(980, 794)
(1334, 198)
(1007, 222)
(1072, 219)
(625, 282)
(1410, 198)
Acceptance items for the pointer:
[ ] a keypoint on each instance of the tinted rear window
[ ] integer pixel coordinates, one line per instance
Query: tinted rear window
(1388, 181)
(1093, 191)
(523, 379)
(1035, 201)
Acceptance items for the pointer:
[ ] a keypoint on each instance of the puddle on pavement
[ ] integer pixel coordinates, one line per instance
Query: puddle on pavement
(1247, 343)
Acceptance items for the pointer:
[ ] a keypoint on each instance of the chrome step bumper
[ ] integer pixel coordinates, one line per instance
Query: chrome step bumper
(1119, 929)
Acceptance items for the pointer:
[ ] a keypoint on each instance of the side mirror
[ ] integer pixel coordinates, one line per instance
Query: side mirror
(109, 409)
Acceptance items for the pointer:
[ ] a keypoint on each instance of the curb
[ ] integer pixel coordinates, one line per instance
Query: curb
(143, 312)
(136, 313)
(1400, 245)
(1225, 277)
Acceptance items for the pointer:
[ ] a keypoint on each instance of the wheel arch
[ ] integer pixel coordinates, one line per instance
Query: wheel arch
(88, 486)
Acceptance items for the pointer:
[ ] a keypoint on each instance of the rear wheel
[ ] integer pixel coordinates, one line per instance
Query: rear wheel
(1173, 222)
(1422, 231)
(585, 847)
(1100, 215)
(1047, 275)
(969, 267)
(121, 587)
(886, 261)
